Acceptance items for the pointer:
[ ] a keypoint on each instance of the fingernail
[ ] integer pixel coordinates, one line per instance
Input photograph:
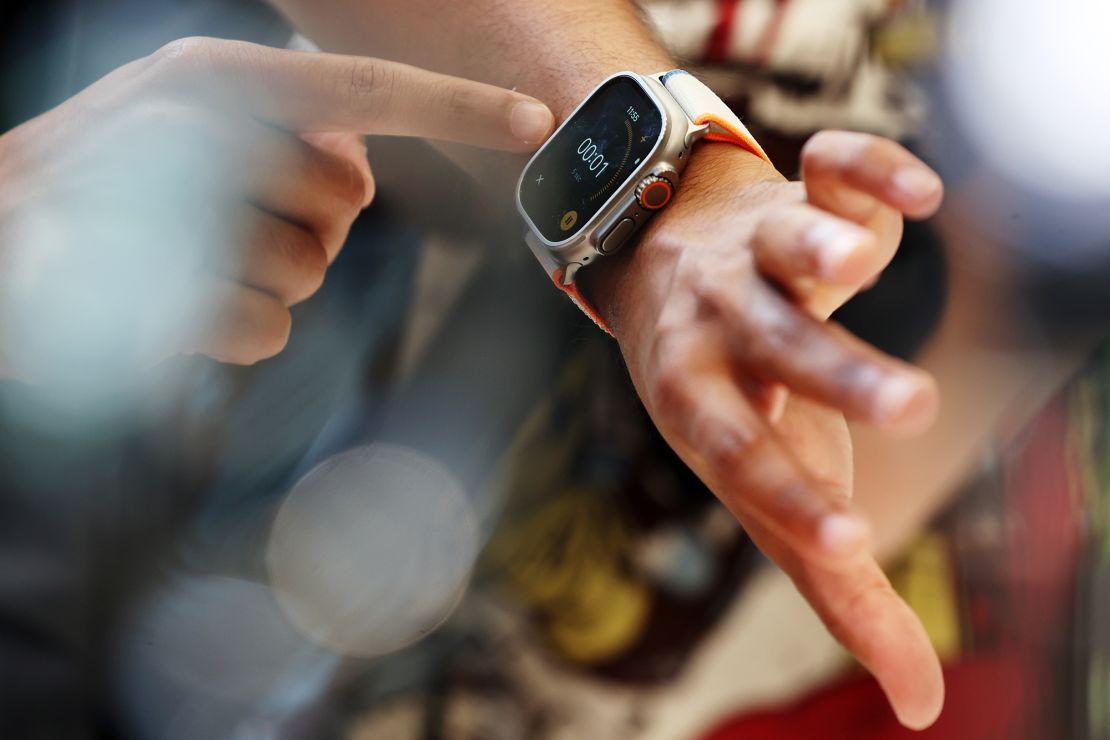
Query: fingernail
(917, 183)
(834, 243)
(902, 401)
(919, 719)
(531, 122)
(843, 534)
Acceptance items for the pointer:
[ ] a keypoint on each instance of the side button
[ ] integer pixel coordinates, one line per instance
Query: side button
(618, 236)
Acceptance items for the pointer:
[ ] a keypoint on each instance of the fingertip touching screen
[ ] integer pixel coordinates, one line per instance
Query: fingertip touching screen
(590, 159)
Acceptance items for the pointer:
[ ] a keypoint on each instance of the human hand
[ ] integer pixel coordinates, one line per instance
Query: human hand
(720, 304)
(183, 203)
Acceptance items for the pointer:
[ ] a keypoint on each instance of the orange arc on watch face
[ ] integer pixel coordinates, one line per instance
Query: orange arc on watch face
(657, 195)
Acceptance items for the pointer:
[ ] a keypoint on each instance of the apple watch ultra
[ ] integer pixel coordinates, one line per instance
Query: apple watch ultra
(613, 164)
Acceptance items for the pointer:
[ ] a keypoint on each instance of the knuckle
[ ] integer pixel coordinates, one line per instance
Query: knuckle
(670, 359)
(865, 154)
(689, 274)
(168, 115)
(460, 99)
(776, 333)
(815, 238)
(718, 297)
(340, 184)
(727, 448)
(792, 498)
(186, 54)
(353, 190)
(830, 151)
(333, 235)
(175, 119)
(313, 268)
(815, 153)
(182, 49)
(261, 330)
(861, 600)
(855, 380)
(768, 234)
(720, 283)
(370, 86)
(696, 279)
(369, 191)
(669, 396)
(273, 333)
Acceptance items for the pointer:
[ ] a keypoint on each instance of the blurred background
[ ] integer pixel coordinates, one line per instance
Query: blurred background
(442, 513)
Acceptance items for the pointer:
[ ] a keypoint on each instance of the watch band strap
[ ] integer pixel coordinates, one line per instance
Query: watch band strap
(558, 274)
(703, 107)
(572, 291)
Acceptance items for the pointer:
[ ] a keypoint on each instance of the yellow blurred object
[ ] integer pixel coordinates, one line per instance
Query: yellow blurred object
(564, 561)
(561, 549)
(908, 39)
(926, 581)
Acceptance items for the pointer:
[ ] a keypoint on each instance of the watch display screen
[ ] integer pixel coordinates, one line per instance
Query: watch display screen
(590, 158)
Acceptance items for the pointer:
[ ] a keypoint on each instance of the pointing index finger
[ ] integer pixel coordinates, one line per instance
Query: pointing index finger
(308, 91)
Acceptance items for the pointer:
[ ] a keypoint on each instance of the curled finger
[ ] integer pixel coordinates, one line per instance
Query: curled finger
(704, 416)
(800, 246)
(853, 174)
(298, 182)
(275, 256)
(240, 325)
(824, 362)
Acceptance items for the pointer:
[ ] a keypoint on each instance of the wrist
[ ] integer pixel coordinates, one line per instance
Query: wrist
(717, 183)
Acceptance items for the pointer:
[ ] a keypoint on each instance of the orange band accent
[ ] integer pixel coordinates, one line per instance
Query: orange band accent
(575, 295)
(739, 138)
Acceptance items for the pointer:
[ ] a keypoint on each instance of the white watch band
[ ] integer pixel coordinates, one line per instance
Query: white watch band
(703, 107)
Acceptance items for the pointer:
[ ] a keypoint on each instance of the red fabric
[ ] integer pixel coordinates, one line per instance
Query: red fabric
(719, 43)
(1047, 524)
(721, 38)
(984, 699)
(770, 35)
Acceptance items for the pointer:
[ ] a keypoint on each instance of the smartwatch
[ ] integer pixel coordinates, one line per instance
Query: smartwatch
(613, 164)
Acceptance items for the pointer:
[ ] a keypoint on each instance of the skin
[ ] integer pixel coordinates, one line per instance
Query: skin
(720, 306)
(187, 189)
(719, 310)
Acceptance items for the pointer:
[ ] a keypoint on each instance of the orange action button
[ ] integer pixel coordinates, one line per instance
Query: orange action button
(656, 194)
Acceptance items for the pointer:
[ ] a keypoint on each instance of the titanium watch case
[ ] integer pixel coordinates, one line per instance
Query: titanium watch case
(667, 161)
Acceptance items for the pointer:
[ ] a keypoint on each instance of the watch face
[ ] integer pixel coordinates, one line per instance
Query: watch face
(590, 159)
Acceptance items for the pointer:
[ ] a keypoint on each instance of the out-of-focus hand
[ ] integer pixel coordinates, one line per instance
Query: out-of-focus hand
(183, 203)
(722, 305)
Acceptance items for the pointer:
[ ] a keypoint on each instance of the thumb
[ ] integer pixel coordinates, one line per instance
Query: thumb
(307, 91)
